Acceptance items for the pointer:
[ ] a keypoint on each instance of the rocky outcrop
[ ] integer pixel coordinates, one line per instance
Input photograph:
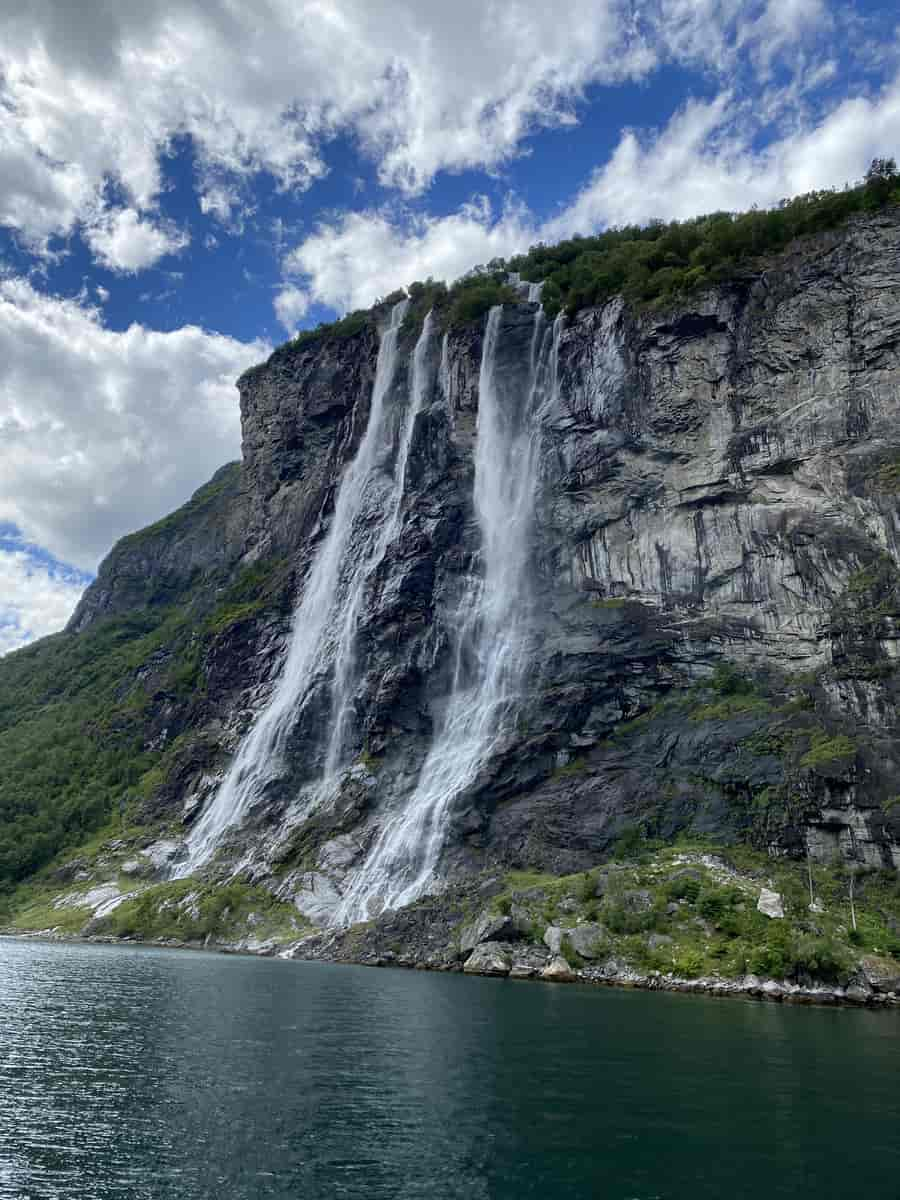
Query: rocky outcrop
(161, 564)
(715, 556)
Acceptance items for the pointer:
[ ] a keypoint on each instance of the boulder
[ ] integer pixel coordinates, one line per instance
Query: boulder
(858, 994)
(656, 941)
(487, 959)
(521, 970)
(770, 904)
(553, 937)
(558, 969)
(484, 928)
(588, 940)
(881, 974)
(637, 900)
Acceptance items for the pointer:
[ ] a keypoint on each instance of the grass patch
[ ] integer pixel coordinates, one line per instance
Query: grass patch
(829, 752)
(186, 911)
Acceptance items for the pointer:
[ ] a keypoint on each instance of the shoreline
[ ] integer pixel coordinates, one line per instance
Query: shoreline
(749, 987)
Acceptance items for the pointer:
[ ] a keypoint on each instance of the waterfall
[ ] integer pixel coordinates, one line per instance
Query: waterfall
(345, 674)
(490, 643)
(330, 602)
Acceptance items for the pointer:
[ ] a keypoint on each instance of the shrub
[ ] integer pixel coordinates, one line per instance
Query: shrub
(684, 887)
(688, 963)
(713, 902)
(821, 957)
(471, 299)
(767, 959)
(829, 753)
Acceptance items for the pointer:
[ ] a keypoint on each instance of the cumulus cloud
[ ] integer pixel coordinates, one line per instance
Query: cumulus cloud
(104, 431)
(703, 160)
(93, 93)
(350, 262)
(37, 597)
(122, 241)
(291, 306)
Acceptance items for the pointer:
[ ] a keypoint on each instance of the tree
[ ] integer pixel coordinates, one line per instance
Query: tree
(881, 168)
(881, 179)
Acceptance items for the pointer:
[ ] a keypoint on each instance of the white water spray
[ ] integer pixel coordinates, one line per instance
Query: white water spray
(328, 596)
(490, 653)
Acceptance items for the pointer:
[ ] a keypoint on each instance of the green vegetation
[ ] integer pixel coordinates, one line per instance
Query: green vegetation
(326, 331)
(79, 745)
(423, 298)
(651, 266)
(690, 910)
(475, 295)
(577, 766)
(825, 751)
(656, 265)
(185, 911)
(72, 737)
(203, 503)
(887, 478)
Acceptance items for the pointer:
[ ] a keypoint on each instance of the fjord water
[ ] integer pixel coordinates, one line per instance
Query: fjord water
(147, 1074)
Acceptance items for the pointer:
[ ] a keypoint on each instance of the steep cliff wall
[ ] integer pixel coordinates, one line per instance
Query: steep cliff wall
(718, 489)
(713, 570)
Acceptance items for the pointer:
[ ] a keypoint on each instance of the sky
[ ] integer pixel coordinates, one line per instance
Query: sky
(184, 185)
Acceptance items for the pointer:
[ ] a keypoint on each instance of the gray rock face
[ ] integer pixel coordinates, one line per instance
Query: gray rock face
(487, 959)
(553, 937)
(880, 974)
(588, 940)
(485, 928)
(159, 564)
(559, 970)
(770, 904)
(717, 505)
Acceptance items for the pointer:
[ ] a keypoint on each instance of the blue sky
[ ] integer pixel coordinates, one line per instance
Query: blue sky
(182, 185)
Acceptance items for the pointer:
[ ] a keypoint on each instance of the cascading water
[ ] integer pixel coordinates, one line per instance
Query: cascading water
(330, 603)
(345, 673)
(490, 653)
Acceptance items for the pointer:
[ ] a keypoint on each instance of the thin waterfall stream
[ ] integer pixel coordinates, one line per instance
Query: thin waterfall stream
(490, 650)
(345, 672)
(330, 601)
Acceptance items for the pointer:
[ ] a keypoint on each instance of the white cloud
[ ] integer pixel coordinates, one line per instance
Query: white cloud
(702, 161)
(122, 241)
(101, 431)
(91, 93)
(364, 255)
(36, 598)
(291, 305)
(102, 293)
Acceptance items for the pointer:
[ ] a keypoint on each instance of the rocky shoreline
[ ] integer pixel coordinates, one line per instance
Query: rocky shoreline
(611, 974)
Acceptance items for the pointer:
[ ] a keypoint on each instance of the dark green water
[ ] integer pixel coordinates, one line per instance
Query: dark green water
(142, 1074)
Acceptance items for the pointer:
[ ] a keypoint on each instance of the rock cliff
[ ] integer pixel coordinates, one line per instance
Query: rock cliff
(711, 636)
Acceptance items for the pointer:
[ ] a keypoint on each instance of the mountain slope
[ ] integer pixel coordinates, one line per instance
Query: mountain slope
(709, 643)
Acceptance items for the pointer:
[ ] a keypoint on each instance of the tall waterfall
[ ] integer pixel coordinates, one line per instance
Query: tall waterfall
(490, 650)
(345, 674)
(325, 621)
